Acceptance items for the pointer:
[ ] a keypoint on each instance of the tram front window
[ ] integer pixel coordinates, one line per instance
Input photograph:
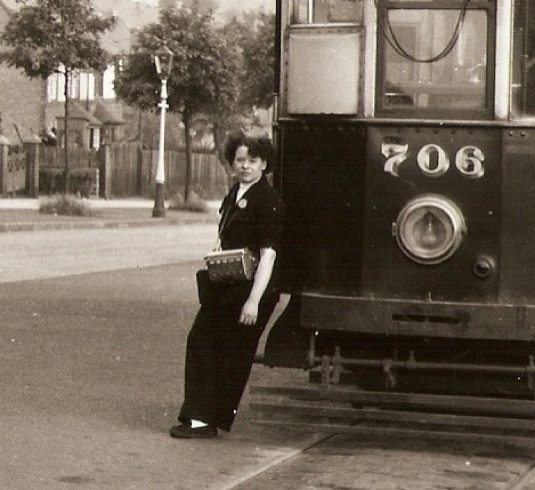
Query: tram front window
(434, 59)
(523, 100)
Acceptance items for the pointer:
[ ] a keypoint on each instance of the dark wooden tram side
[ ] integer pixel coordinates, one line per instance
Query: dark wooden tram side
(378, 321)
(367, 321)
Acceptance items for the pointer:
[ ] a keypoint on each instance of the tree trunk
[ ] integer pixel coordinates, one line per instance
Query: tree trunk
(189, 162)
(219, 132)
(66, 171)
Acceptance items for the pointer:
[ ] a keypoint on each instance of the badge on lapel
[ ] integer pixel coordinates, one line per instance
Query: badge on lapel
(242, 203)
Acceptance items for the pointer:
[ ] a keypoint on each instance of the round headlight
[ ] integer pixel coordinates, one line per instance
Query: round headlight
(430, 229)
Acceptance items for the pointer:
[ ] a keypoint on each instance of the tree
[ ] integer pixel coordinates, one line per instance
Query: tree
(205, 75)
(202, 6)
(56, 36)
(259, 60)
(254, 33)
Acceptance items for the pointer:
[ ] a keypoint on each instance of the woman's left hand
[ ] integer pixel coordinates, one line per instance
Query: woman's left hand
(249, 312)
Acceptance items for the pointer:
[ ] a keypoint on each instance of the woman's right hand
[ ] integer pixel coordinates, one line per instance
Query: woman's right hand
(249, 312)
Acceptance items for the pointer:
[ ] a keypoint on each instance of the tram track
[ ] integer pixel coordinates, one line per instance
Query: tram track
(525, 481)
(314, 440)
(345, 462)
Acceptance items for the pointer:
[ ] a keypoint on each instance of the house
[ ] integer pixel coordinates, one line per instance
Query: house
(92, 100)
(99, 115)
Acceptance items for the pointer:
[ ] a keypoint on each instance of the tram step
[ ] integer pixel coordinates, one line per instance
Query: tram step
(334, 409)
(517, 408)
(434, 435)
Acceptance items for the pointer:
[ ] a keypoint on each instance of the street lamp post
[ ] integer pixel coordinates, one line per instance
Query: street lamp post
(163, 61)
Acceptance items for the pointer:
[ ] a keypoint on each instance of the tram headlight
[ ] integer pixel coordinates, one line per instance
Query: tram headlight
(430, 229)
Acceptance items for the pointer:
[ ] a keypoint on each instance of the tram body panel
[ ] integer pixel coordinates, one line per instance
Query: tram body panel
(324, 194)
(518, 229)
(405, 163)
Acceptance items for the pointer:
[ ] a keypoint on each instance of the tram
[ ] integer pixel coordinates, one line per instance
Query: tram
(405, 133)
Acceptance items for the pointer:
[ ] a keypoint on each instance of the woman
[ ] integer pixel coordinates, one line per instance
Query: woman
(224, 337)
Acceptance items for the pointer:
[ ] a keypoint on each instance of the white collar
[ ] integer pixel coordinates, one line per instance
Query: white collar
(243, 188)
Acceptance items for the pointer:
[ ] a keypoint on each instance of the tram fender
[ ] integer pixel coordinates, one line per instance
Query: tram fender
(287, 343)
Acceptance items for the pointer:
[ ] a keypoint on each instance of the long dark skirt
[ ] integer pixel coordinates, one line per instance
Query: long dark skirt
(219, 357)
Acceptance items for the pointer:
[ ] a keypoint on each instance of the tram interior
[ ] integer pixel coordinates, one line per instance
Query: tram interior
(456, 78)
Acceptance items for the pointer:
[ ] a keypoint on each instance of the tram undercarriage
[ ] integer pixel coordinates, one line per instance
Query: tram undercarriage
(425, 386)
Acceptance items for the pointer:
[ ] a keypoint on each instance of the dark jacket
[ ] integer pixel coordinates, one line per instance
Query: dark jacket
(256, 221)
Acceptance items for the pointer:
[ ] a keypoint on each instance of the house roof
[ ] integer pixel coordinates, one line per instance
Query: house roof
(102, 115)
(106, 115)
(78, 112)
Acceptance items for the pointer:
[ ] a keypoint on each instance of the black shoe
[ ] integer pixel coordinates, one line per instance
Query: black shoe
(188, 432)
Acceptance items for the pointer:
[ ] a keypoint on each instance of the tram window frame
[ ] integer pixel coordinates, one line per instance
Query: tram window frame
(486, 111)
(321, 65)
(306, 13)
(523, 61)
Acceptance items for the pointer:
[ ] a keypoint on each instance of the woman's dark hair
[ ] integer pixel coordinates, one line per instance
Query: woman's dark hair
(258, 146)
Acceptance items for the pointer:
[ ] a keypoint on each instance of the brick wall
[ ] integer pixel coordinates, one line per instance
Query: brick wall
(20, 103)
(20, 97)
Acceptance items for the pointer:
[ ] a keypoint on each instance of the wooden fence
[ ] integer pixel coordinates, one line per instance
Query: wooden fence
(127, 170)
(54, 157)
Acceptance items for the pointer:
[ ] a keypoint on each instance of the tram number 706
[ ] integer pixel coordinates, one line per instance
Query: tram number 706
(433, 160)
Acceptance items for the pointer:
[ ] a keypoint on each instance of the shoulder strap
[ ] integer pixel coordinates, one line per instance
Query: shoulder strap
(231, 198)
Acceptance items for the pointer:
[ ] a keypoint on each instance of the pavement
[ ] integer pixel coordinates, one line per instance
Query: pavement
(94, 328)
(19, 214)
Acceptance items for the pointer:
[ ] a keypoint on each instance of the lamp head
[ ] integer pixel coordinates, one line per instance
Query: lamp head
(163, 60)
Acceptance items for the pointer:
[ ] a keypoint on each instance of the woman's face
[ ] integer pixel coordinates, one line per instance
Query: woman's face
(248, 169)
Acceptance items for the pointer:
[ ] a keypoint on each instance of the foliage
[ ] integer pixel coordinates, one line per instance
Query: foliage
(219, 72)
(255, 34)
(194, 203)
(204, 67)
(205, 75)
(194, 5)
(64, 204)
(52, 180)
(144, 127)
(48, 34)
